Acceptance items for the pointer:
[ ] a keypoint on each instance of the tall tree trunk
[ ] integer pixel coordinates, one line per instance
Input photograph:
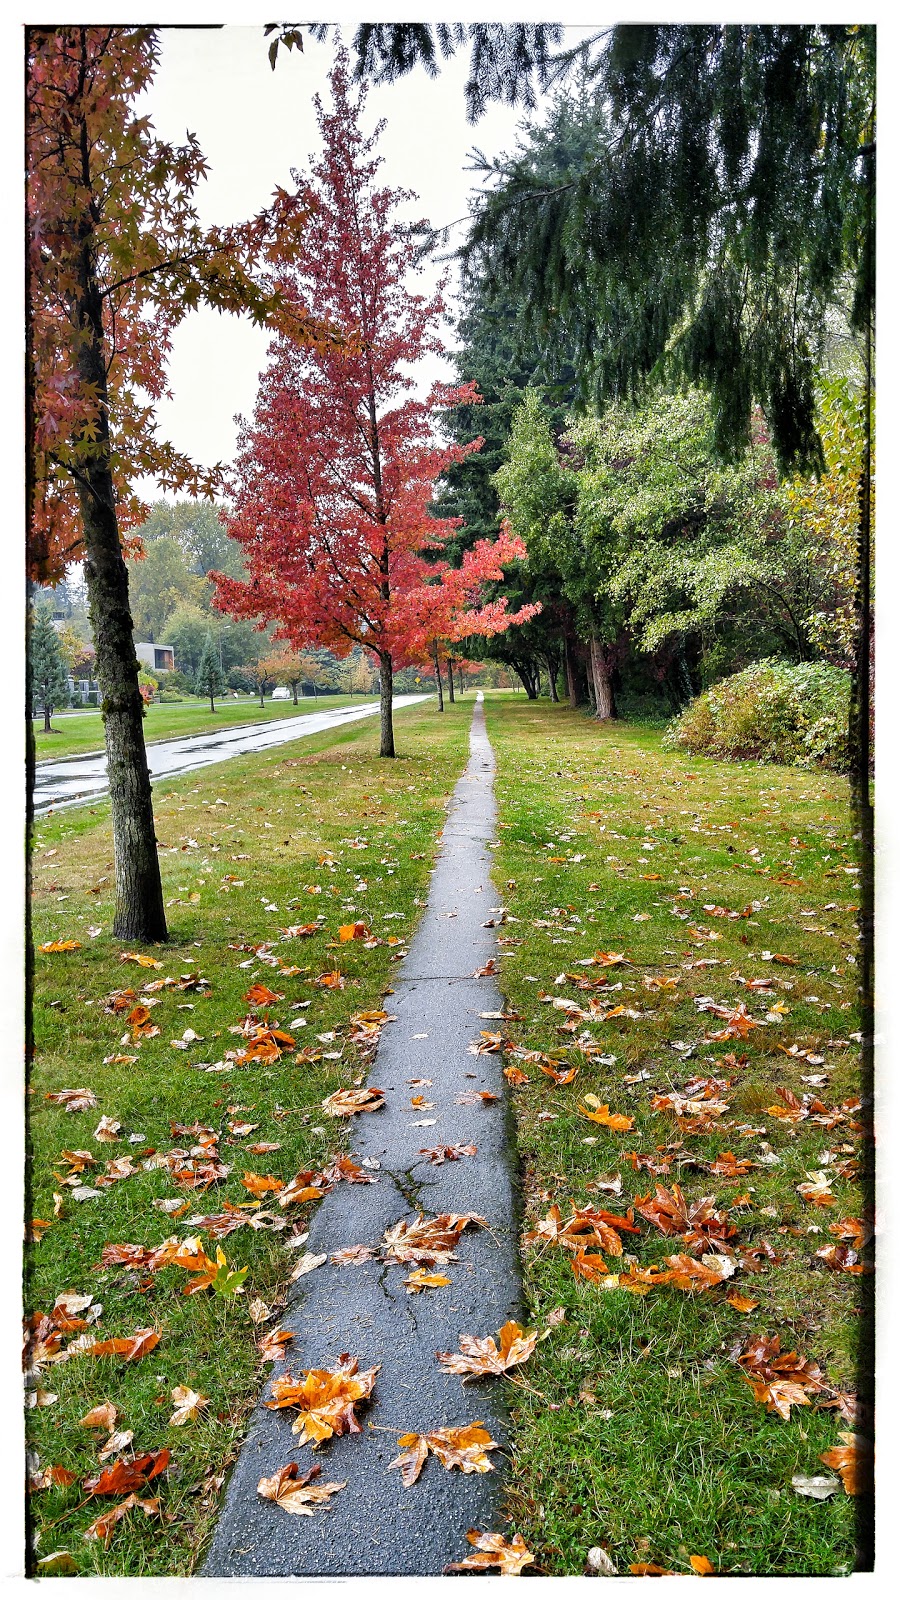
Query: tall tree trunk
(262, 699)
(294, 689)
(571, 680)
(552, 668)
(450, 680)
(387, 703)
(437, 673)
(603, 693)
(47, 727)
(212, 703)
(140, 915)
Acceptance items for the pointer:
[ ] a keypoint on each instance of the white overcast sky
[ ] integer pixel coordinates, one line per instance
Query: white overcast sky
(253, 126)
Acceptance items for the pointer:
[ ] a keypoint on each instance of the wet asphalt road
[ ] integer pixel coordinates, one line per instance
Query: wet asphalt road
(76, 780)
(375, 1525)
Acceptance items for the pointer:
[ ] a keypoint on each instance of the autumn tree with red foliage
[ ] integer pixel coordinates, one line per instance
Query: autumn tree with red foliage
(116, 258)
(335, 474)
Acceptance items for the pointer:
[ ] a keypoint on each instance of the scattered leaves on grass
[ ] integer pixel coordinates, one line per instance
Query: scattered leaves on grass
(347, 1102)
(324, 1399)
(602, 1115)
(139, 960)
(188, 1405)
(779, 1380)
(494, 1550)
(104, 1526)
(73, 1099)
(481, 1357)
(126, 1477)
(297, 1492)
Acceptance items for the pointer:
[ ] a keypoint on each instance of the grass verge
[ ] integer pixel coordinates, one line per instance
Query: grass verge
(634, 1426)
(83, 733)
(332, 834)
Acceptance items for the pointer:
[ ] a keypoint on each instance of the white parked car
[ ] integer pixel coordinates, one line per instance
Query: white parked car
(281, 694)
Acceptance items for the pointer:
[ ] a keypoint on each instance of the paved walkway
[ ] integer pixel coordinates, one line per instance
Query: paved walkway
(76, 780)
(375, 1525)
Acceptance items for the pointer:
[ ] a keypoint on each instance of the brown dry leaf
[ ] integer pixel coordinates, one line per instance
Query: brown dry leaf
(271, 1345)
(353, 930)
(464, 1447)
(817, 1189)
(649, 1569)
(587, 1266)
(840, 1258)
(708, 1273)
(515, 1076)
(258, 1184)
(324, 1399)
(107, 1130)
(132, 1348)
(124, 1477)
(702, 1565)
(188, 1405)
(353, 1255)
(419, 1279)
(139, 960)
(479, 1358)
(259, 995)
(330, 980)
(449, 1152)
(853, 1460)
(779, 1380)
(60, 1477)
(73, 1099)
(740, 1302)
(57, 945)
(104, 1526)
(347, 1102)
(697, 1222)
(429, 1241)
(103, 1416)
(493, 1550)
(115, 1444)
(296, 1492)
(602, 1115)
(854, 1229)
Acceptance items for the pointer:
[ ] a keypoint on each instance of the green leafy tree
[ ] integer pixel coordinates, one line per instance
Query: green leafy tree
(196, 526)
(47, 672)
(159, 583)
(210, 679)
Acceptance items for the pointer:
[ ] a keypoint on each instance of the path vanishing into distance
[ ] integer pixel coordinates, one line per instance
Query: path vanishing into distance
(76, 780)
(375, 1525)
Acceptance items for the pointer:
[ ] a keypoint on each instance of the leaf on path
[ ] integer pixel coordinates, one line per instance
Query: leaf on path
(493, 1550)
(353, 1255)
(854, 1460)
(124, 1477)
(449, 1152)
(73, 1099)
(472, 1096)
(428, 1241)
(481, 1357)
(104, 1526)
(324, 1399)
(419, 1279)
(296, 1492)
(464, 1447)
(188, 1405)
(307, 1263)
(347, 1102)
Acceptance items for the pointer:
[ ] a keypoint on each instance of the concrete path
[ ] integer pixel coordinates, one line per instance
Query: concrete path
(375, 1525)
(75, 780)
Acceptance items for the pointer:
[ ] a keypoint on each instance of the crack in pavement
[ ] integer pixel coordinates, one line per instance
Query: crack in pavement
(375, 1525)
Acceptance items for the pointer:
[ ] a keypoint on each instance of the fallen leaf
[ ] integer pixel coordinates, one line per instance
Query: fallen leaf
(307, 1263)
(324, 1399)
(480, 1357)
(60, 1563)
(132, 1348)
(296, 1492)
(188, 1405)
(57, 945)
(271, 1345)
(702, 1565)
(818, 1488)
(102, 1416)
(853, 1460)
(141, 961)
(493, 1550)
(603, 1116)
(73, 1099)
(347, 1102)
(419, 1279)
(104, 1526)
(124, 1477)
(463, 1447)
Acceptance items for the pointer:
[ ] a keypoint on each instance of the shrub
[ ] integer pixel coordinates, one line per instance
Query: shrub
(772, 711)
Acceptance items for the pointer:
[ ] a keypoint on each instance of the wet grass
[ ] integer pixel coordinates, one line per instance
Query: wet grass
(634, 1428)
(258, 844)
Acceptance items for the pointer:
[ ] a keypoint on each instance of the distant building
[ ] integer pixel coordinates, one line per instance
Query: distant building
(158, 657)
(87, 690)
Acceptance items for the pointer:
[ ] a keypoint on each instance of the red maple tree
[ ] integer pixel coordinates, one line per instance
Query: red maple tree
(335, 474)
(116, 257)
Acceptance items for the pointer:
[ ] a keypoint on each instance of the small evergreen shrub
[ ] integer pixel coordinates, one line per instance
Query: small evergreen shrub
(772, 711)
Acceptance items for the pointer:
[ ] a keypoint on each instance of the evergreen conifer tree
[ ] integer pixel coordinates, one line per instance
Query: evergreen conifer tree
(210, 678)
(48, 686)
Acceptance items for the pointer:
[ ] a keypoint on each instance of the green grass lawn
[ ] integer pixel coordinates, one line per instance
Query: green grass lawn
(634, 1426)
(332, 834)
(76, 735)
